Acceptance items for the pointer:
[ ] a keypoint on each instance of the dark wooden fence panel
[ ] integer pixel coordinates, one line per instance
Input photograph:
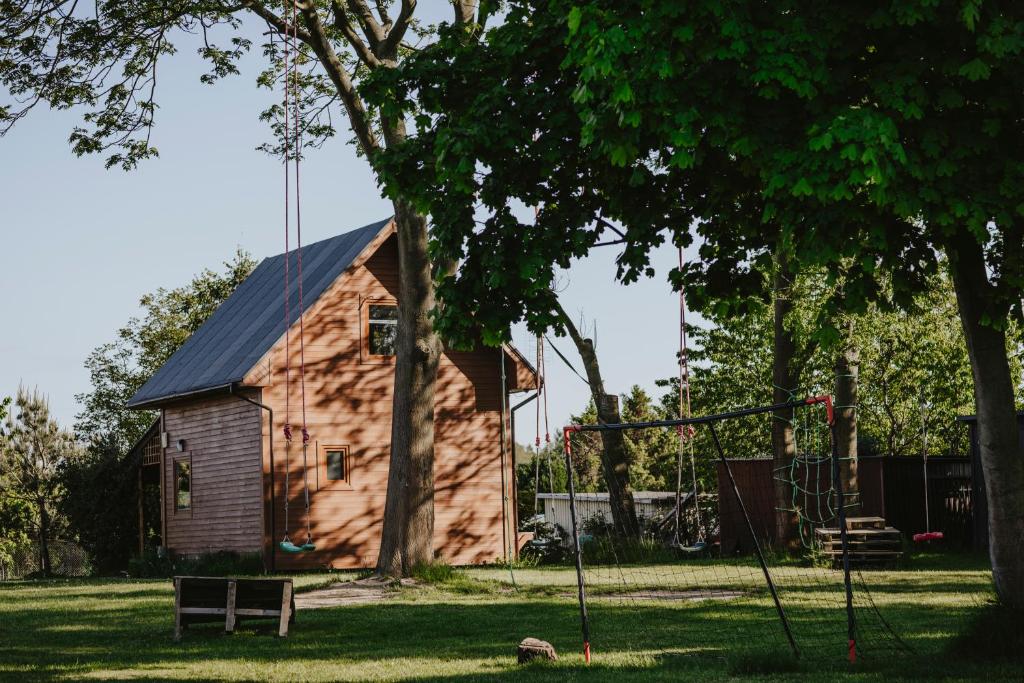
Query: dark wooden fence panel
(889, 487)
(949, 497)
(754, 481)
(871, 487)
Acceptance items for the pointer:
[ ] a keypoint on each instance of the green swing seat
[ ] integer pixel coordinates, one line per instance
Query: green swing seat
(287, 546)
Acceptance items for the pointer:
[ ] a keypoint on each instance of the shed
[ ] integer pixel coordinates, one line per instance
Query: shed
(223, 399)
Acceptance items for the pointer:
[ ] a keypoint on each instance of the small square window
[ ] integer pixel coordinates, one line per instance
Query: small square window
(336, 465)
(182, 484)
(382, 329)
(334, 470)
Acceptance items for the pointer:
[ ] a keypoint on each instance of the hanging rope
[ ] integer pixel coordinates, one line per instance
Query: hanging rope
(542, 397)
(536, 457)
(293, 125)
(298, 246)
(686, 433)
(287, 311)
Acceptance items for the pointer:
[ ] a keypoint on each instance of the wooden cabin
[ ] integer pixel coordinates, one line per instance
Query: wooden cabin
(225, 469)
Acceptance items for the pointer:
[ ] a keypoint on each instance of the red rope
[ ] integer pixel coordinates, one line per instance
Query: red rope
(544, 377)
(287, 255)
(540, 385)
(298, 216)
(684, 362)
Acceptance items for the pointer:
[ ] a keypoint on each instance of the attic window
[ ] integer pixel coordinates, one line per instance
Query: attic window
(382, 329)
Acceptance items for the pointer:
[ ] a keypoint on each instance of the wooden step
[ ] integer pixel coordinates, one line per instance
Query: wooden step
(860, 533)
(881, 545)
(860, 523)
(858, 553)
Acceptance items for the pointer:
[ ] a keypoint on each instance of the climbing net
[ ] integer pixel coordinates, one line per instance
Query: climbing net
(809, 476)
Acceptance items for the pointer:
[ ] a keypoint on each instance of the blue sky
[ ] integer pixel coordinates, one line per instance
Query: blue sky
(81, 244)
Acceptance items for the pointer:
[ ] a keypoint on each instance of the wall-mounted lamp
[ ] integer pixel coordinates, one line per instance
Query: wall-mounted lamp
(180, 443)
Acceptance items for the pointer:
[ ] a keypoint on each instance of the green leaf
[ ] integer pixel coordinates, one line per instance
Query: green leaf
(975, 70)
(573, 20)
(802, 188)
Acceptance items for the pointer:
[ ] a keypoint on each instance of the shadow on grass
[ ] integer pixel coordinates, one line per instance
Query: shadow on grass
(995, 633)
(741, 638)
(71, 629)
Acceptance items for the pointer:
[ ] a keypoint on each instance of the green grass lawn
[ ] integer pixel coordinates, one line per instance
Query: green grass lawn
(466, 627)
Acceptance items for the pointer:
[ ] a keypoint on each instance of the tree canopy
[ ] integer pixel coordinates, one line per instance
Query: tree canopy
(861, 140)
(33, 447)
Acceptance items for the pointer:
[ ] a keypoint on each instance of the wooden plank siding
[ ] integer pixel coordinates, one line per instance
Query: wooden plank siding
(348, 403)
(221, 435)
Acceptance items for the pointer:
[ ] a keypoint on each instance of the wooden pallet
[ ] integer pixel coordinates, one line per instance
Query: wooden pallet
(869, 542)
(864, 523)
(203, 599)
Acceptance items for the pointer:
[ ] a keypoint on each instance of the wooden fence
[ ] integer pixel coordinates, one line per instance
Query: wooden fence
(889, 487)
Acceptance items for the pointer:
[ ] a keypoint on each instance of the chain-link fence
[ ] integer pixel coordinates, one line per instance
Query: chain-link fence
(67, 558)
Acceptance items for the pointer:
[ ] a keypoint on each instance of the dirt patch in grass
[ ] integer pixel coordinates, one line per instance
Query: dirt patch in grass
(359, 592)
(687, 595)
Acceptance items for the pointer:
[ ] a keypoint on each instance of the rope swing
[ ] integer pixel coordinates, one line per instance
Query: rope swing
(291, 100)
(686, 434)
(542, 395)
(928, 534)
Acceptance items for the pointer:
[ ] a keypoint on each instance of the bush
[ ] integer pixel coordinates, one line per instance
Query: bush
(154, 565)
(101, 505)
(546, 546)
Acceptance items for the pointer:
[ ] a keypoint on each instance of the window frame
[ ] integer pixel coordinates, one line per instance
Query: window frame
(325, 484)
(175, 461)
(365, 355)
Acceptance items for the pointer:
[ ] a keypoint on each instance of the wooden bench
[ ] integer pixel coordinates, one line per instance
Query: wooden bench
(199, 599)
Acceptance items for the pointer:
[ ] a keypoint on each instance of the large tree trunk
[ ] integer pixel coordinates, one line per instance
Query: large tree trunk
(784, 383)
(847, 371)
(1002, 458)
(614, 457)
(407, 538)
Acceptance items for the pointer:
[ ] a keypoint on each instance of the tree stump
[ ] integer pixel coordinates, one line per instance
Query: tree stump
(532, 648)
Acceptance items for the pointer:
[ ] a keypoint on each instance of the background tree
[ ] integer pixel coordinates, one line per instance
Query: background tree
(106, 59)
(613, 454)
(34, 448)
(119, 368)
(101, 497)
(15, 514)
(903, 355)
(101, 490)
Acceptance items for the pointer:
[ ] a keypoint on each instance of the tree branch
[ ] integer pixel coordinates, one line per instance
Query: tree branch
(339, 75)
(382, 12)
(282, 26)
(344, 24)
(463, 11)
(389, 46)
(374, 32)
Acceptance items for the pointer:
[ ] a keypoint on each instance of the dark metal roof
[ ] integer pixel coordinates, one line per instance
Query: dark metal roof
(247, 324)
